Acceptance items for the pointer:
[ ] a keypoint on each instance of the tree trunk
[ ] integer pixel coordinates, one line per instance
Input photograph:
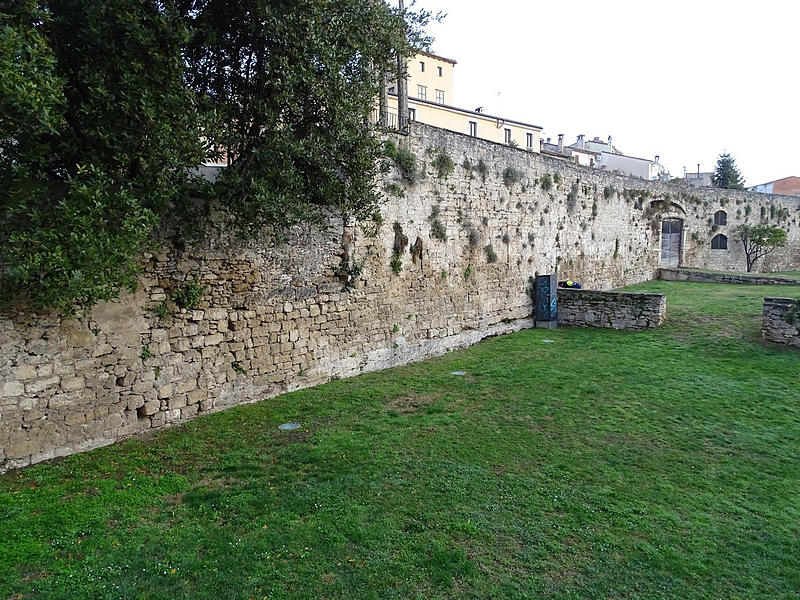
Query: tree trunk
(383, 108)
(402, 84)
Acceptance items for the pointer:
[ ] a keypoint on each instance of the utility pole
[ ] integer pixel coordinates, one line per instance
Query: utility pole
(402, 82)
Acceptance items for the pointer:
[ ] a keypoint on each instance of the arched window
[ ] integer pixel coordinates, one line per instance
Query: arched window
(719, 242)
(720, 218)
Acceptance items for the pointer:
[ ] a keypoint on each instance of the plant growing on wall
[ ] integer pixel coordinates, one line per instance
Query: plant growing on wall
(404, 159)
(443, 164)
(572, 197)
(491, 255)
(758, 241)
(482, 169)
(511, 176)
(468, 167)
(188, 296)
(546, 182)
(438, 230)
(396, 263)
(348, 272)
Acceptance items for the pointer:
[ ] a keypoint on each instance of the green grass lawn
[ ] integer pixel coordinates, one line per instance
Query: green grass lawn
(605, 464)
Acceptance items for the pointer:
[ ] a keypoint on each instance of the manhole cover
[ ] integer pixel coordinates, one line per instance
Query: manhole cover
(289, 426)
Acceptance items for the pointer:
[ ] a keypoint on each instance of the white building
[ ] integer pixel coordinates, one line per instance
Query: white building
(602, 155)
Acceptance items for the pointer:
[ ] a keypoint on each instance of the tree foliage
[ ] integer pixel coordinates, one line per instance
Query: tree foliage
(107, 107)
(97, 134)
(759, 240)
(726, 174)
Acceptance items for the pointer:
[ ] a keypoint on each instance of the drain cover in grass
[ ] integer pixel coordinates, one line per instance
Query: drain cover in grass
(458, 373)
(289, 426)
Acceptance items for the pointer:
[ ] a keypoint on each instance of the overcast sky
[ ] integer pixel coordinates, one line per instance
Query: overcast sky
(683, 79)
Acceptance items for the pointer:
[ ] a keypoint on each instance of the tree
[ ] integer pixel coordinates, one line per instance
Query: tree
(726, 174)
(293, 85)
(107, 106)
(759, 240)
(97, 135)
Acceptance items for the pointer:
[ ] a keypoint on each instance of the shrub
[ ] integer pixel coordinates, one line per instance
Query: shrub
(546, 182)
(491, 255)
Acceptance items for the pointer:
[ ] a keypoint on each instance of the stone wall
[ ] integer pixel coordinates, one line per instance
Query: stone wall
(613, 310)
(781, 321)
(276, 318)
(702, 277)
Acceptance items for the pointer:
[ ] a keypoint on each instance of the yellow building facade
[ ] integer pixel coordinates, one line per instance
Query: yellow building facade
(431, 101)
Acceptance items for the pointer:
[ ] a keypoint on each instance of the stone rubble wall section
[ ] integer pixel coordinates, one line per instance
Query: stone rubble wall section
(612, 310)
(732, 278)
(781, 321)
(274, 318)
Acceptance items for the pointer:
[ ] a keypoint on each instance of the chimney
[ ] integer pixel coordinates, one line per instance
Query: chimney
(548, 140)
(561, 143)
(581, 142)
(610, 147)
(657, 157)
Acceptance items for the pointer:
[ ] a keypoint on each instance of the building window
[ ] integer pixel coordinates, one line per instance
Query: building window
(412, 114)
(391, 89)
(719, 242)
(507, 135)
(422, 66)
(473, 128)
(440, 71)
(721, 218)
(439, 96)
(422, 92)
(529, 141)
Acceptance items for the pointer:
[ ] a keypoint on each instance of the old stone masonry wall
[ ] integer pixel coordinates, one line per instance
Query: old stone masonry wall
(781, 321)
(449, 266)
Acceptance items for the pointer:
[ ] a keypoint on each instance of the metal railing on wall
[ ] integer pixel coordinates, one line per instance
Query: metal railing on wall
(388, 121)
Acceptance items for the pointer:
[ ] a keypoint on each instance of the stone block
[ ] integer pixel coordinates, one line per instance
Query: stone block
(11, 389)
(40, 385)
(24, 372)
(71, 384)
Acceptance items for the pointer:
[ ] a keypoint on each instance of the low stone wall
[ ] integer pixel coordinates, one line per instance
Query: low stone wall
(781, 321)
(702, 277)
(613, 310)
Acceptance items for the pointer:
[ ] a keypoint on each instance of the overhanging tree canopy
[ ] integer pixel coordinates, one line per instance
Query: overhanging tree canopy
(106, 106)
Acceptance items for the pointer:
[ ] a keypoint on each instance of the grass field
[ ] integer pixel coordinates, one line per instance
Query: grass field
(663, 464)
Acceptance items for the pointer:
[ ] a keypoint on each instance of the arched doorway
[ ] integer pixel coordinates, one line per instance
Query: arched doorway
(671, 236)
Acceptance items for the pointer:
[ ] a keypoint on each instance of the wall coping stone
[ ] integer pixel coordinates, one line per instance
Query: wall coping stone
(731, 278)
